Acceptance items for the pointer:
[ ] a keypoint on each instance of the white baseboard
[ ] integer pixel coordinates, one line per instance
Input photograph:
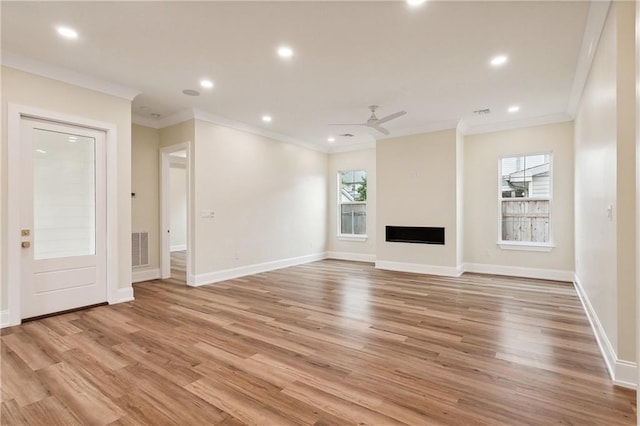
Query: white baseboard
(419, 268)
(178, 247)
(124, 295)
(516, 271)
(623, 373)
(228, 274)
(355, 257)
(150, 274)
(4, 319)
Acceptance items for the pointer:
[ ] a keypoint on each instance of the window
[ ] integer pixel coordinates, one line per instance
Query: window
(352, 200)
(525, 200)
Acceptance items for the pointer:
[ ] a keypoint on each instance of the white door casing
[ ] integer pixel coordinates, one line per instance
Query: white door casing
(14, 254)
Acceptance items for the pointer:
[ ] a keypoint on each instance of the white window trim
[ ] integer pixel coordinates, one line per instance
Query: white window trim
(340, 235)
(352, 237)
(526, 245)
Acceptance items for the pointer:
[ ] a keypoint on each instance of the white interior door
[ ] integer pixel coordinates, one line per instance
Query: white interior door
(62, 216)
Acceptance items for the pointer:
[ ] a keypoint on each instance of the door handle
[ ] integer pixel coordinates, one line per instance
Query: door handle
(25, 244)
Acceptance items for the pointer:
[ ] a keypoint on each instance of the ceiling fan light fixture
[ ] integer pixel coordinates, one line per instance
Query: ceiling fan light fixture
(373, 121)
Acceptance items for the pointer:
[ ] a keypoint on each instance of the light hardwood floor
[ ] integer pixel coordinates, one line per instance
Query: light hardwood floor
(325, 343)
(178, 267)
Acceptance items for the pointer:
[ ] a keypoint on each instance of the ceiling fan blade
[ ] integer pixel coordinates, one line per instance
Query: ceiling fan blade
(380, 129)
(391, 117)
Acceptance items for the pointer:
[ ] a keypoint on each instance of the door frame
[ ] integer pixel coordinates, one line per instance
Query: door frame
(165, 212)
(15, 114)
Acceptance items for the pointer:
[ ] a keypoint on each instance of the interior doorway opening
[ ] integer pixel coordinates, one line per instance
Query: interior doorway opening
(175, 214)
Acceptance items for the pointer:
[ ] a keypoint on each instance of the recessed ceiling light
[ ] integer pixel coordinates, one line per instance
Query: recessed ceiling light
(331, 139)
(496, 61)
(67, 32)
(415, 2)
(266, 118)
(514, 108)
(191, 92)
(207, 84)
(285, 52)
(41, 151)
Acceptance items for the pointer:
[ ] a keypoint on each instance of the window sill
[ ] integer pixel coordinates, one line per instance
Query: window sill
(352, 237)
(517, 245)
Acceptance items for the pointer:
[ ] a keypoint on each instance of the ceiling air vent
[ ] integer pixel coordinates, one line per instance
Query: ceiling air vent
(346, 135)
(482, 111)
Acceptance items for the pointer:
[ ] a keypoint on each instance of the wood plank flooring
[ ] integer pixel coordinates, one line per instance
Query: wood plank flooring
(179, 267)
(327, 343)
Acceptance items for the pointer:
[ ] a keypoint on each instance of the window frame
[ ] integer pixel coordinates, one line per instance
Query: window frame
(526, 245)
(340, 235)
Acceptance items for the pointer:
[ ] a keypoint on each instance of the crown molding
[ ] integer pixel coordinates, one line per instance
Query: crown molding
(238, 125)
(66, 75)
(196, 114)
(427, 128)
(336, 149)
(598, 11)
(145, 121)
(560, 117)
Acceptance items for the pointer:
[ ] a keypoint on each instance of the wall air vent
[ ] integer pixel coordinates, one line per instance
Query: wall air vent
(139, 249)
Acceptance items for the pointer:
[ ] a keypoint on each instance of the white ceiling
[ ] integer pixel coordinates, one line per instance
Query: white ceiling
(431, 61)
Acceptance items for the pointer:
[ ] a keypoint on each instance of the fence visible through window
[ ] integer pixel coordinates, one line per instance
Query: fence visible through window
(525, 220)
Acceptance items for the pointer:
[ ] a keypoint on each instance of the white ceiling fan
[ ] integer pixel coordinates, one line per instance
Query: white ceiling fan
(374, 122)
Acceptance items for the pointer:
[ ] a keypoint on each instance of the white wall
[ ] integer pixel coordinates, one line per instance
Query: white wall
(269, 200)
(416, 186)
(481, 154)
(343, 248)
(145, 142)
(604, 163)
(38, 92)
(178, 207)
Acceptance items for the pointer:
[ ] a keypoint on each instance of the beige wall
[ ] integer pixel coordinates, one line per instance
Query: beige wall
(604, 175)
(177, 133)
(345, 248)
(145, 206)
(38, 92)
(416, 186)
(626, 185)
(269, 199)
(481, 156)
(637, 118)
(460, 140)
